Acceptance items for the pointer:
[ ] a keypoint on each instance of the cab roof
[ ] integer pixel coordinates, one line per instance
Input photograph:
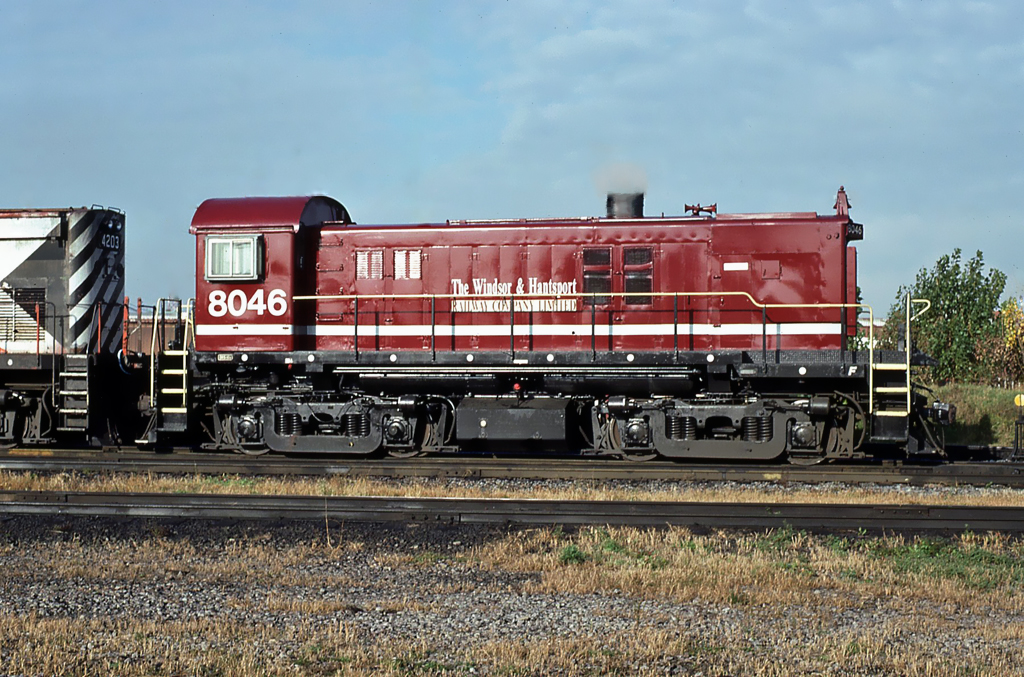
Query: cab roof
(249, 213)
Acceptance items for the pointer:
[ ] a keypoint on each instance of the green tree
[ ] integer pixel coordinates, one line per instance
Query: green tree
(963, 321)
(1005, 353)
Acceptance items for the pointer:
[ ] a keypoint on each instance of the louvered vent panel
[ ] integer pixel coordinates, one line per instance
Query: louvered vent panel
(18, 309)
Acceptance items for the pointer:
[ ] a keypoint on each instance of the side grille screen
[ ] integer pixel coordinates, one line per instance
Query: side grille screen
(18, 313)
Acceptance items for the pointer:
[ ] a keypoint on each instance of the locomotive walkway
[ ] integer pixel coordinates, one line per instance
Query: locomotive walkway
(812, 517)
(950, 474)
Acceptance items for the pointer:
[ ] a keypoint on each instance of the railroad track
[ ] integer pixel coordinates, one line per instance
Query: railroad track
(958, 473)
(814, 517)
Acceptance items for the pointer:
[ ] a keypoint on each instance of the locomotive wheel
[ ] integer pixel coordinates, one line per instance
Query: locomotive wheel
(253, 450)
(805, 460)
(404, 453)
(634, 455)
(639, 456)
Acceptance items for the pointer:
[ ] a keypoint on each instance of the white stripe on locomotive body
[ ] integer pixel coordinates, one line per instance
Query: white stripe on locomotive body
(43, 346)
(244, 329)
(21, 237)
(80, 275)
(86, 288)
(441, 331)
(13, 253)
(28, 227)
(81, 234)
(112, 295)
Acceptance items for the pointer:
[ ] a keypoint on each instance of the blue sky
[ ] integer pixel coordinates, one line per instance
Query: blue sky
(422, 111)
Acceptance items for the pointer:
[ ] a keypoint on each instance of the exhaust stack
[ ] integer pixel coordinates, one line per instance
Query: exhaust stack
(625, 205)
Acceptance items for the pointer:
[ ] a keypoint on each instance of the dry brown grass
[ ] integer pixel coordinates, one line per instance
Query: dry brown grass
(774, 603)
(159, 558)
(64, 647)
(783, 597)
(582, 490)
(778, 569)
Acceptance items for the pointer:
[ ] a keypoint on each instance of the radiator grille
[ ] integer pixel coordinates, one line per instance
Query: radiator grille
(18, 313)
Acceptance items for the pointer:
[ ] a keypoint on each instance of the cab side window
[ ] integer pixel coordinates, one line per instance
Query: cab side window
(234, 258)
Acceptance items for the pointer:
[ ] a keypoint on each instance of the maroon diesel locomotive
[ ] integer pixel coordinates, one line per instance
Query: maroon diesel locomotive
(699, 336)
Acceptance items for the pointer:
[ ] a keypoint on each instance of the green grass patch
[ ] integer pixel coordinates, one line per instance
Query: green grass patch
(976, 568)
(777, 540)
(427, 558)
(611, 545)
(230, 481)
(571, 554)
(984, 414)
(416, 663)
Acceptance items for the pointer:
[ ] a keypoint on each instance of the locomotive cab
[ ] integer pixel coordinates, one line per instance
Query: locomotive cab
(253, 261)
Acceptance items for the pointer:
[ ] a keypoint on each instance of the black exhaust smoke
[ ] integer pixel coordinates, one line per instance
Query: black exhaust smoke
(625, 205)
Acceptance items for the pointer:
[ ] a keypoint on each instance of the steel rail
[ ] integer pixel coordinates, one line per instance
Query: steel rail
(820, 517)
(949, 474)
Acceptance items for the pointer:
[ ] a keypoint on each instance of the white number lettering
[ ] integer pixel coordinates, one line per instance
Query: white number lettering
(237, 303)
(218, 307)
(256, 303)
(277, 305)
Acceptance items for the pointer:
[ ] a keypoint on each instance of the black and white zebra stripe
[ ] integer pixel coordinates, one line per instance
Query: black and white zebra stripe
(95, 270)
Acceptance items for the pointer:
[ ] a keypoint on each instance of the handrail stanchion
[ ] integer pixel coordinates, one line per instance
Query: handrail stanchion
(124, 329)
(692, 314)
(675, 325)
(152, 354)
(99, 328)
(512, 326)
(355, 327)
(433, 328)
(764, 338)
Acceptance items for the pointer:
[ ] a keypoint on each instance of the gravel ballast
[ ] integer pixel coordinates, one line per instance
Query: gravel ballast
(425, 599)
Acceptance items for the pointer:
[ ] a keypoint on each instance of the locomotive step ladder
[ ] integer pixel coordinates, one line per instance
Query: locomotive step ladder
(73, 394)
(890, 386)
(170, 390)
(169, 378)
